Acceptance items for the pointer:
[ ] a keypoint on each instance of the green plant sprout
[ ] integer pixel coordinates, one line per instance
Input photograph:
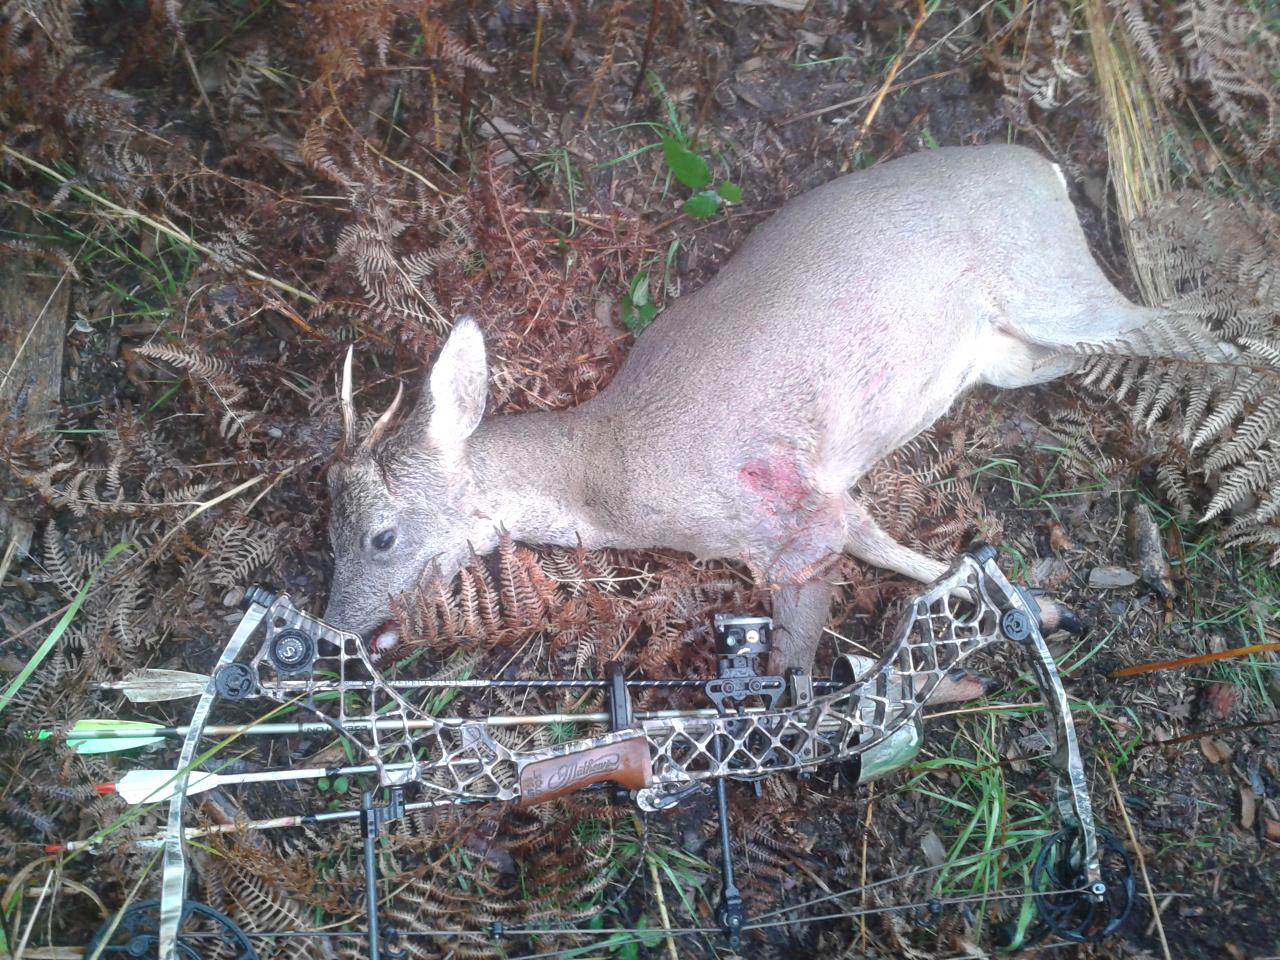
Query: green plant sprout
(635, 309)
(694, 172)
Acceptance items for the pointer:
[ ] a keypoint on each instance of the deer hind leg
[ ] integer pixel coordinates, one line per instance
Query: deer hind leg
(802, 611)
(1012, 362)
(866, 541)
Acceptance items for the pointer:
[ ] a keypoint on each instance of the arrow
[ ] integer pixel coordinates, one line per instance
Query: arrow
(240, 826)
(112, 736)
(89, 737)
(155, 786)
(156, 685)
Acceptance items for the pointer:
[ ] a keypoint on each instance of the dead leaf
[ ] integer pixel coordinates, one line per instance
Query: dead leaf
(1248, 807)
(1271, 829)
(934, 852)
(1111, 578)
(1049, 572)
(1014, 756)
(1035, 742)
(1220, 698)
(1214, 750)
(498, 126)
(1058, 539)
(1148, 552)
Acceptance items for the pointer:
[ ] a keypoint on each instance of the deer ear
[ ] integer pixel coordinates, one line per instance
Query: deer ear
(458, 385)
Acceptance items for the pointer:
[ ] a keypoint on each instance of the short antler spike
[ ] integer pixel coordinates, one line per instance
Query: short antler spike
(384, 421)
(344, 399)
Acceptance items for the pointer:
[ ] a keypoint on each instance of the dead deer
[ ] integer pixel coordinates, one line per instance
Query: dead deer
(846, 324)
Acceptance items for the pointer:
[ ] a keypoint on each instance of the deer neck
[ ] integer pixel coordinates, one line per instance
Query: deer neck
(527, 474)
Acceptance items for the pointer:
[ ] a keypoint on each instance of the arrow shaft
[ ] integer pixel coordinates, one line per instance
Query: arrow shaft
(280, 776)
(153, 685)
(151, 786)
(273, 823)
(279, 729)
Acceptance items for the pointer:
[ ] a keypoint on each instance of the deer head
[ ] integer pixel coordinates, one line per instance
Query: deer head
(402, 500)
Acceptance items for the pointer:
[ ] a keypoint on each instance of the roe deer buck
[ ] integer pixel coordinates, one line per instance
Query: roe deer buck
(845, 325)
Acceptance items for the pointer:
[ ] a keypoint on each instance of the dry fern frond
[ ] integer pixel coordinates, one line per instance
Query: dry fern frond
(1218, 405)
(1172, 479)
(239, 545)
(251, 887)
(401, 244)
(905, 496)
(211, 374)
(1236, 56)
(1050, 69)
(1146, 38)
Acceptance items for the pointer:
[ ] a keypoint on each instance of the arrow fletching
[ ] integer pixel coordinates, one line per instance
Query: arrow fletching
(112, 736)
(154, 786)
(154, 685)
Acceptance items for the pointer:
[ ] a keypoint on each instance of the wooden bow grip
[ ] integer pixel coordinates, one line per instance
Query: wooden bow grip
(626, 763)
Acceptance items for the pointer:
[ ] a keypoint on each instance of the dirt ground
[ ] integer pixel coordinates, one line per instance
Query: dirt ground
(234, 192)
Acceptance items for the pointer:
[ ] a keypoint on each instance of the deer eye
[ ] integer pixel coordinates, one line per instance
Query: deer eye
(384, 540)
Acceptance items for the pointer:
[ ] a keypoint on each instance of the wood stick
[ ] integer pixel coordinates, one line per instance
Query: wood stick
(922, 14)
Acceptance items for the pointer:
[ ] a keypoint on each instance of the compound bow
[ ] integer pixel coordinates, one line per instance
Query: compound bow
(868, 715)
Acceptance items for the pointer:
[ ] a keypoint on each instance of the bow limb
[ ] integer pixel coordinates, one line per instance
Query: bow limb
(1071, 790)
(173, 883)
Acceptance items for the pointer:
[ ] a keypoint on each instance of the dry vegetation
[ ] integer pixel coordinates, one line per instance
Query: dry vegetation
(234, 191)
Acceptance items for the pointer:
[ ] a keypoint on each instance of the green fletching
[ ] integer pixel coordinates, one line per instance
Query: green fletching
(114, 745)
(111, 736)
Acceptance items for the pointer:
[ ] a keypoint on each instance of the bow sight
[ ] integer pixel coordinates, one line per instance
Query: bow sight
(866, 718)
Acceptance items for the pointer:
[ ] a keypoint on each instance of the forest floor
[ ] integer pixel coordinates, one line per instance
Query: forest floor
(212, 200)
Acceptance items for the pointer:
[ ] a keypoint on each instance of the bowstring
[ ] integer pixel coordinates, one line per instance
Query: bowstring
(919, 905)
(908, 875)
(762, 921)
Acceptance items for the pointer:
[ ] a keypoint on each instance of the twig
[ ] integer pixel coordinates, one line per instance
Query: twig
(195, 80)
(922, 14)
(168, 229)
(862, 877)
(858, 101)
(1142, 863)
(654, 6)
(537, 45)
(26, 934)
(572, 214)
(9, 551)
(1192, 661)
(933, 46)
(662, 907)
(1212, 732)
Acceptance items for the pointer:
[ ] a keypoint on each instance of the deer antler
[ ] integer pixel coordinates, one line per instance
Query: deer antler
(345, 401)
(383, 422)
